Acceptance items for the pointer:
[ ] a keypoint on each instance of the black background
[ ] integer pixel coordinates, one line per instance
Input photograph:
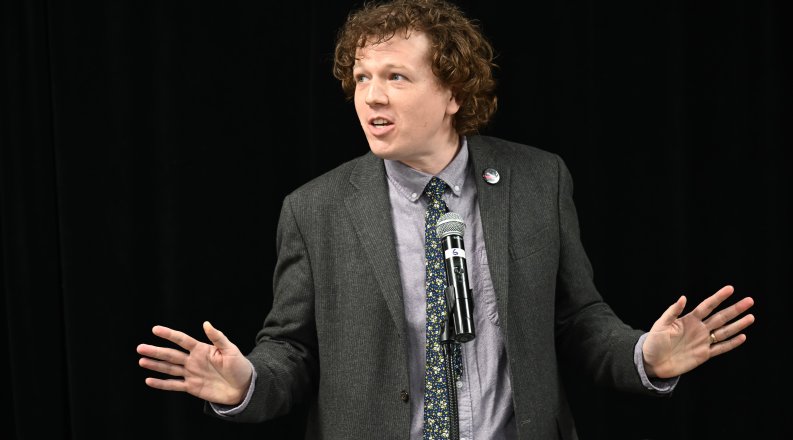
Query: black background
(146, 148)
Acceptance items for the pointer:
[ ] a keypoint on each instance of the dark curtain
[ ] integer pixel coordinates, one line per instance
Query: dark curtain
(146, 148)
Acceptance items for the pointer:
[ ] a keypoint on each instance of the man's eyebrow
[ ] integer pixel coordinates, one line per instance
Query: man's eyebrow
(387, 65)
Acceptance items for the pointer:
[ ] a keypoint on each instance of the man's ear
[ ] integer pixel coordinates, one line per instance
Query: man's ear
(453, 105)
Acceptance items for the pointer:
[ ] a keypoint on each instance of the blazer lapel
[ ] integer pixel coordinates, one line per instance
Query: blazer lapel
(370, 211)
(494, 211)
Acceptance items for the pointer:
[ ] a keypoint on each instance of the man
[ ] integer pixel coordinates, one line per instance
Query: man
(349, 329)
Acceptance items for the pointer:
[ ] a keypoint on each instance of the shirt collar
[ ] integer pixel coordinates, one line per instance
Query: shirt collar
(411, 183)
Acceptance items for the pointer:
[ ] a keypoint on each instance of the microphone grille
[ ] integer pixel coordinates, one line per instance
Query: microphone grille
(450, 223)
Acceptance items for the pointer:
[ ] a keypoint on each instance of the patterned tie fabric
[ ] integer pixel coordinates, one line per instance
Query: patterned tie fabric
(436, 402)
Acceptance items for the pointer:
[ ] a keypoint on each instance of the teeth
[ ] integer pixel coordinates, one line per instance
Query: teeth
(380, 122)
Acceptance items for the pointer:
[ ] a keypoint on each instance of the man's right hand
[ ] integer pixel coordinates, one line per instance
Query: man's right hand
(218, 373)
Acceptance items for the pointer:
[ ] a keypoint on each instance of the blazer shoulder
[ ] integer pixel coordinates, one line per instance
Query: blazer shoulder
(331, 185)
(508, 152)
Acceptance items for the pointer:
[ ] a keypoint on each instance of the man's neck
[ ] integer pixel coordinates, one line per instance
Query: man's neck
(437, 162)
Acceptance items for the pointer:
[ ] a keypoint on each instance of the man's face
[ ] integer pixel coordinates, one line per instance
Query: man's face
(405, 113)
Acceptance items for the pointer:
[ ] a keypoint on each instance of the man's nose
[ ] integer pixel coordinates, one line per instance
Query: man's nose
(376, 94)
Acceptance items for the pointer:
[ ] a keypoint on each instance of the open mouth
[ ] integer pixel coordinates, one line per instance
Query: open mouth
(380, 122)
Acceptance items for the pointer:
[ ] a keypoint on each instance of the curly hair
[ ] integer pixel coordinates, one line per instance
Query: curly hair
(461, 56)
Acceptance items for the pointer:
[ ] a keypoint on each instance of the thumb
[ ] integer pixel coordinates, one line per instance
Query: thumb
(218, 339)
(672, 312)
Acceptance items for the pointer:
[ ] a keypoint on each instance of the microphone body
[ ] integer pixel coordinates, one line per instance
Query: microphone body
(459, 296)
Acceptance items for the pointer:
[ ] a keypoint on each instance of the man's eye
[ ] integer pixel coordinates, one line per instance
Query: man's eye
(361, 78)
(397, 77)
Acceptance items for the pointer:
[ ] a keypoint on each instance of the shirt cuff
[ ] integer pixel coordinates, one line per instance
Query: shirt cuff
(661, 386)
(227, 410)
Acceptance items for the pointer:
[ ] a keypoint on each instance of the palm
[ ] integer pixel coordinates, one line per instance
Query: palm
(208, 371)
(679, 344)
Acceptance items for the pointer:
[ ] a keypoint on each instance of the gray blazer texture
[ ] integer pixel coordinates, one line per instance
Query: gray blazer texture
(335, 337)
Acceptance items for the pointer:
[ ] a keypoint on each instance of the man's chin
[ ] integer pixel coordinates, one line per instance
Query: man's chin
(384, 152)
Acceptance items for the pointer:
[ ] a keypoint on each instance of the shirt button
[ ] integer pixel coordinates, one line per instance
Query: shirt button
(414, 195)
(457, 188)
(460, 385)
(404, 395)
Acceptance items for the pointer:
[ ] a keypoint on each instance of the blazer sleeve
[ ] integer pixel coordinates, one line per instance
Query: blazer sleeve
(285, 355)
(588, 331)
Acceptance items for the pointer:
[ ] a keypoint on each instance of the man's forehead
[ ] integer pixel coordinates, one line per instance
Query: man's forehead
(382, 43)
(387, 38)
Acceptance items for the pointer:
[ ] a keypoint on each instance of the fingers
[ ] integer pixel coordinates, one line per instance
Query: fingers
(725, 346)
(165, 354)
(166, 384)
(163, 360)
(179, 338)
(725, 332)
(162, 367)
(170, 355)
(727, 314)
(706, 307)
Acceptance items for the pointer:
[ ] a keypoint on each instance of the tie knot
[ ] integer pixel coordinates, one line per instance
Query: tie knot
(435, 189)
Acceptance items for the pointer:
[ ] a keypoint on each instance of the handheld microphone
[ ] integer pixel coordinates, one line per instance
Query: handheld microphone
(450, 230)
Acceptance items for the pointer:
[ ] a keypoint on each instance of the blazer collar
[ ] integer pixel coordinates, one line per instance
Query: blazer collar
(370, 210)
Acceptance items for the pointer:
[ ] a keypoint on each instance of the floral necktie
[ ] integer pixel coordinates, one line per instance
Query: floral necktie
(436, 388)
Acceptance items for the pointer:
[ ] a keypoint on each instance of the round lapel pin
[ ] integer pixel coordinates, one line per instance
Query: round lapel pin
(491, 176)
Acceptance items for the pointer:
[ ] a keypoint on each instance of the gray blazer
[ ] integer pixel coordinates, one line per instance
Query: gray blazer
(335, 337)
